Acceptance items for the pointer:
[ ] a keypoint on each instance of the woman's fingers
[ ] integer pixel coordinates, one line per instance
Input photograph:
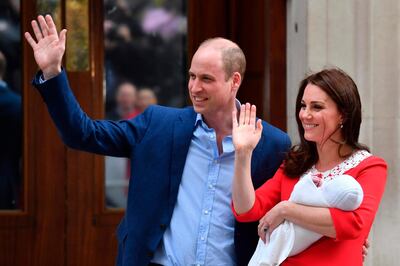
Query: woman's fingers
(247, 114)
(259, 126)
(234, 118)
(263, 228)
(248, 110)
(253, 112)
(242, 115)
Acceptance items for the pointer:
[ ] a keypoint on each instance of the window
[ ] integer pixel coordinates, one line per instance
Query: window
(145, 63)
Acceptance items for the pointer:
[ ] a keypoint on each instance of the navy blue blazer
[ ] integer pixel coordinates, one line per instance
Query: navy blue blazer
(157, 143)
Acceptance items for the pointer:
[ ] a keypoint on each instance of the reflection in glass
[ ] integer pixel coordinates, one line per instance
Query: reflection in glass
(77, 20)
(10, 106)
(52, 7)
(145, 63)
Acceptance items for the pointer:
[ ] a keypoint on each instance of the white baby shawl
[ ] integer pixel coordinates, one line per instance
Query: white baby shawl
(288, 239)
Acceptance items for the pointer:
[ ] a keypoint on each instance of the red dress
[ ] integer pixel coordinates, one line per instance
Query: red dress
(352, 227)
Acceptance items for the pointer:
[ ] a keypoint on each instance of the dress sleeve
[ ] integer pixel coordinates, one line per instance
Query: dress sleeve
(371, 174)
(267, 196)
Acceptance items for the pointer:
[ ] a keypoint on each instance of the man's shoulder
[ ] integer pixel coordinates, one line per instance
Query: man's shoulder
(162, 108)
(170, 112)
(274, 132)
(165, 115)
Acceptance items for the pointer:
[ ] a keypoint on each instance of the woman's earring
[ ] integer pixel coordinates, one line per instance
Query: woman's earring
(341, 125)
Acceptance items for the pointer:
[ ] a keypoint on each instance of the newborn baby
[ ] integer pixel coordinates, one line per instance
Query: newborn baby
(288, 239)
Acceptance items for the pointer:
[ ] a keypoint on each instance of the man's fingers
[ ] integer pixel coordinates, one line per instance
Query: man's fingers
(30, 40)
(51, 26)
(63, 35)
(36, 30)
(43, 26)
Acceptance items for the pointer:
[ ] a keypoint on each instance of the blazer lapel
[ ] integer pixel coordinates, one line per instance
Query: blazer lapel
(182, 136)
(257, 152)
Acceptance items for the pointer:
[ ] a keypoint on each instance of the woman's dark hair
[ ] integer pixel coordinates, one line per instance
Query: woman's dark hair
(341, 88)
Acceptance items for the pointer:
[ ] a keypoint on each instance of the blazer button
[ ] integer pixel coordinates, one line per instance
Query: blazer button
(163, 226)
(150, 254)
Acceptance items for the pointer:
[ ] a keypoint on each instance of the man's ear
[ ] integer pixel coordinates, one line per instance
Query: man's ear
(236, 81)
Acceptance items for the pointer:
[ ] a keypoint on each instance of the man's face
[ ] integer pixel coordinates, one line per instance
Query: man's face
(209, 89)
(126, 97)
(145, 98)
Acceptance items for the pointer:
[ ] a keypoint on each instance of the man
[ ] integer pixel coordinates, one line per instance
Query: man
(126, 98)
(10, 142)
(146, 97)
(178, 209)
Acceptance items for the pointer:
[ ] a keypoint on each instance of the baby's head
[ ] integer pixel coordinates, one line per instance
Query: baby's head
(343, 192)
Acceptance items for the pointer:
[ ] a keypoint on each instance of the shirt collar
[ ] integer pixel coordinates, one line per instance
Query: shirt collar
(199, 117)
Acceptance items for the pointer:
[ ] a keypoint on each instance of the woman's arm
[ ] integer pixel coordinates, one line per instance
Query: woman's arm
(243, 194)
(371, 174)
(317, 219)
(246, 133)
(333, 222)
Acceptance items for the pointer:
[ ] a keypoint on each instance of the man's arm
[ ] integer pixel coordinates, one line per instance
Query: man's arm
(77, 129)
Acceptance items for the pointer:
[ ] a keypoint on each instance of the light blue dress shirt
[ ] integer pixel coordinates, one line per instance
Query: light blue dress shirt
(201, 231)
(202, 227)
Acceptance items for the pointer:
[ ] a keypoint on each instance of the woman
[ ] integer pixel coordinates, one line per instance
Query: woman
(328, 109)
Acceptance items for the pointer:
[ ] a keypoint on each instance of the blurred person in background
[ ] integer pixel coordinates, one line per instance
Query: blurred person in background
(145, 98)
(10, 142)
(125, 101)
(117, 168)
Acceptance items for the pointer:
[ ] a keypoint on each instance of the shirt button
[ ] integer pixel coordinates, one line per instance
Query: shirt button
(202, 238)
(206, 212)
(210, 186)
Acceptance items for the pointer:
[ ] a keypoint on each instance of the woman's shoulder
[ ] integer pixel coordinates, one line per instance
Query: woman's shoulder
(367, 160)
(371, 159)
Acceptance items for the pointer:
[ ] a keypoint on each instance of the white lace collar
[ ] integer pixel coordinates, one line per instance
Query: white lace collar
(341, 168)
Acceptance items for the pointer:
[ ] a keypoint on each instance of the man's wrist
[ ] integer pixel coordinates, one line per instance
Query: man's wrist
(51, 73)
